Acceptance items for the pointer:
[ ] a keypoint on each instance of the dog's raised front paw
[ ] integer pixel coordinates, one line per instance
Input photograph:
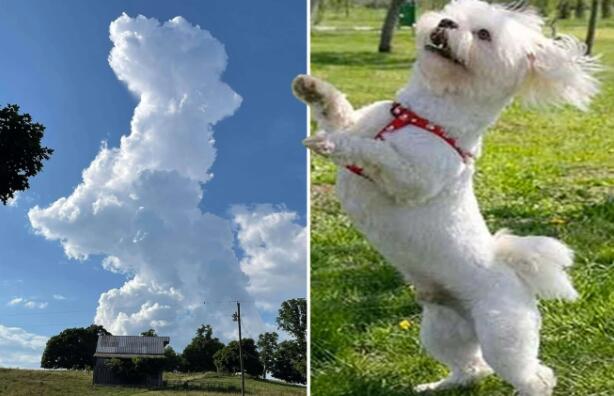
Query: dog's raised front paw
(309, 89)
(320, 144)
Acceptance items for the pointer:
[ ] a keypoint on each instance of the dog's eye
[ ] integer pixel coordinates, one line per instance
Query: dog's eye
(484, 34)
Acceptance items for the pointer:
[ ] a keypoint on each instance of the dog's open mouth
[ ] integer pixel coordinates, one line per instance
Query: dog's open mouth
(439, 45)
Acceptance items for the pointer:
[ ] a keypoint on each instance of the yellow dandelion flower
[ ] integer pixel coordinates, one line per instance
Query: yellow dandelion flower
(405, 325)
(557, 220)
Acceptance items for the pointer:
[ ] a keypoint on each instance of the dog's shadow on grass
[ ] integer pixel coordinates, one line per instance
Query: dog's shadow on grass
(372, 386)
(588, 221)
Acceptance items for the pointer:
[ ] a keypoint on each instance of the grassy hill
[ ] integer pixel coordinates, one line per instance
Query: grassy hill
(544, 172)
(79, 383)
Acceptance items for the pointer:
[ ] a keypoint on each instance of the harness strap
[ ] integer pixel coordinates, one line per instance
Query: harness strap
(403, 117)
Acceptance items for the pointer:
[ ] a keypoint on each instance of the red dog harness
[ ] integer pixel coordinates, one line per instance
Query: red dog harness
(403, 117)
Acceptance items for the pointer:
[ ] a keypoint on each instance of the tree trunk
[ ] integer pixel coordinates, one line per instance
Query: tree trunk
(606, 8)
(580, 8)
(592, 24)
(389, 24)
(315, 12)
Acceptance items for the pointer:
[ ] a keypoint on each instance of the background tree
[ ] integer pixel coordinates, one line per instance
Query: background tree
(289, 363)
(227, 359)
(580, 8)
(564, 9)
(390, 23)
(267, 345)
(544, 7)
(290, 359)
(315, 11)
(592, 25)
(149, 333)
(198, 354)
(606, 8)
(21, 153)
(172, 360)
(72, 348)
(292, 317)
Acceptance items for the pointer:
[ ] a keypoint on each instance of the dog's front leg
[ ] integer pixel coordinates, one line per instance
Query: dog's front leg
(397, 175)
(329, 106)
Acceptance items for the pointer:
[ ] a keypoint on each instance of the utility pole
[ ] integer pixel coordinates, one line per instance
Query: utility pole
(237, 318)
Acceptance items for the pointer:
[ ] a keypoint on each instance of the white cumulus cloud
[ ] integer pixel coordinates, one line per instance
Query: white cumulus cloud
(20, 348)
(275, 253)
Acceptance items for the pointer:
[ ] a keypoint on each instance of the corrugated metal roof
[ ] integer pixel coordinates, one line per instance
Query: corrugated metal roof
(128, 346)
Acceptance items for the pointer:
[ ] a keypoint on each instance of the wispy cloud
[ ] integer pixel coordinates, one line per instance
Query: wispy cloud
(16, 301)
(58, 297)
(30, 304)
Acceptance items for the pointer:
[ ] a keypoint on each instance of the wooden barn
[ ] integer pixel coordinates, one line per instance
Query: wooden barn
(127, 347)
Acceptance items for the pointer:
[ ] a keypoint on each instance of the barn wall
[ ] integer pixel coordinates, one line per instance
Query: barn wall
(103, 375)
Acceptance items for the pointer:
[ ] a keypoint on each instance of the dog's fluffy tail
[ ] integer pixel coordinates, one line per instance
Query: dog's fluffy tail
(539, 261)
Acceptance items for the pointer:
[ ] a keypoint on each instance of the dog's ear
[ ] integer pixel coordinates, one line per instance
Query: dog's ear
(560, 72)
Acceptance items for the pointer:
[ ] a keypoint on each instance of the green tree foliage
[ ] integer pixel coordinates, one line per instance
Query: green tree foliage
(149, 333)
(290, 358)
(289, 363)
(292, 317)
(544, 7)
(198, 354)
(21, 153)
(227, 359)
(72, 348)
(564, 9)
(267, 346)
(172, 360)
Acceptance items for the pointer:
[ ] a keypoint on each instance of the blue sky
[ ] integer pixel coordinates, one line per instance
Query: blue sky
(58, 72)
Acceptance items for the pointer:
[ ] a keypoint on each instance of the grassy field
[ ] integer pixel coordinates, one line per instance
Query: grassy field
(79, 383)
(547, 172)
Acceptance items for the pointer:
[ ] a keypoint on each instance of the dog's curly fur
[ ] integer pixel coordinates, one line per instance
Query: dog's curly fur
(417, 206)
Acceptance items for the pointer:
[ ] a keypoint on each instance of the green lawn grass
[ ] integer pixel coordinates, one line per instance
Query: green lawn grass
(79, 383)
(546, 172)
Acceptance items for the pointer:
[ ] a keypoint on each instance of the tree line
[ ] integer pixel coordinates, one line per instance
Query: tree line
(74, 349)
(552, 10)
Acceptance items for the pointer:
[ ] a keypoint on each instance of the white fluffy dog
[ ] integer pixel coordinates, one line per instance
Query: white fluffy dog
(410, 189)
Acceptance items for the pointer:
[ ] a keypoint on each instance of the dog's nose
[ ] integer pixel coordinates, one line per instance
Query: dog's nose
(447, 24)
(438, 36)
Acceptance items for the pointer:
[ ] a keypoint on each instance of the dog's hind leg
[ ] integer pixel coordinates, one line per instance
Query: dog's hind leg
(507, 325)
(450, 338)
(329, 106)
